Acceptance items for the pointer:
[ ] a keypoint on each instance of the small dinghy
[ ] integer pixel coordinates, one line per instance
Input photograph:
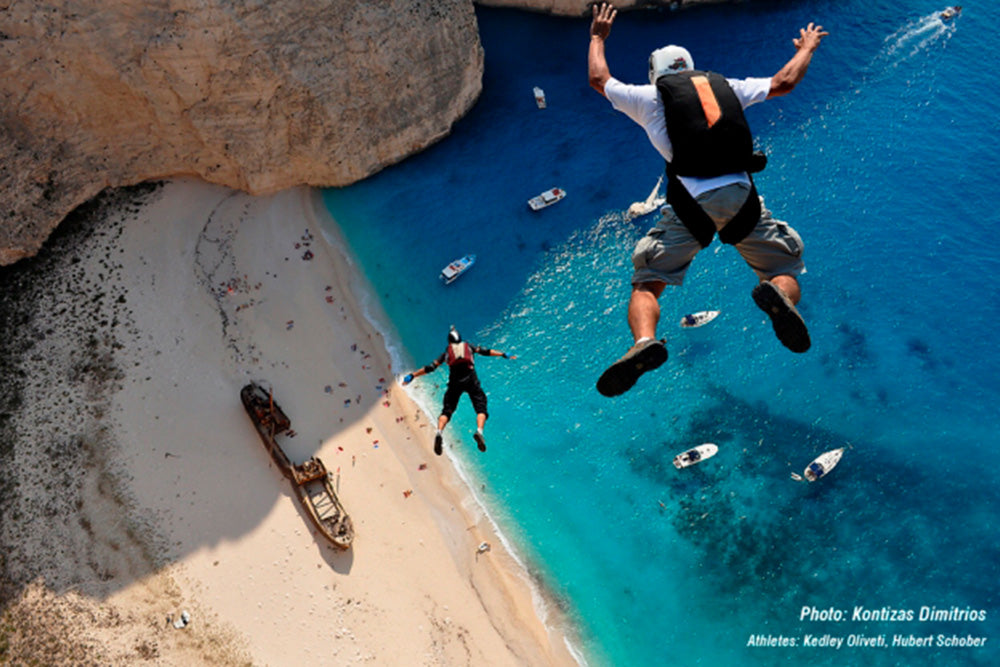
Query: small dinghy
(696, 455)
(699, 319)
(821, 466)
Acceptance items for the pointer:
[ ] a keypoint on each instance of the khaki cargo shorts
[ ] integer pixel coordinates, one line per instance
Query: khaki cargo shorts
(664, 254)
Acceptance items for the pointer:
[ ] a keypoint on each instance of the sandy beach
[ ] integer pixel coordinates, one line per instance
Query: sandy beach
(165, 500)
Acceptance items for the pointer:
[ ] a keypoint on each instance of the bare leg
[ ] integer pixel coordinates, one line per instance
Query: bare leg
(442, 422)
(480, 421)
(643, 316)
(789, 285)
(644, 309)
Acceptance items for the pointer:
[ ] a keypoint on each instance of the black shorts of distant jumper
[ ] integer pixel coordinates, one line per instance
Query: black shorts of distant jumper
(455, 391)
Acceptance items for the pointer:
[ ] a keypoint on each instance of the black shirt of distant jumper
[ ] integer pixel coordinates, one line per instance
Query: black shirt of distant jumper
(461, 365)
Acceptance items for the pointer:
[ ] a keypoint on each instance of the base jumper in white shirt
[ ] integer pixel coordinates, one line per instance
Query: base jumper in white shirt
(694, 119)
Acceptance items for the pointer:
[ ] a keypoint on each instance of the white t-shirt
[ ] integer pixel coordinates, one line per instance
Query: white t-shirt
(642, 104)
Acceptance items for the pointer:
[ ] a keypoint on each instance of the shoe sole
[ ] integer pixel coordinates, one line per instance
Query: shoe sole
(438, 442)
(480, 442)
(788, 325)
(623, 374)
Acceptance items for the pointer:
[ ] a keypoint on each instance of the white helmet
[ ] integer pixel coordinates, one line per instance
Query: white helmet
(670, 59)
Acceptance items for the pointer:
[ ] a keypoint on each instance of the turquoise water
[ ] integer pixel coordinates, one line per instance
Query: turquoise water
(883, 159)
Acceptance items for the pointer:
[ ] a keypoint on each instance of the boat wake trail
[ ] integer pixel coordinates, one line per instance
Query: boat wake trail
(916, 38)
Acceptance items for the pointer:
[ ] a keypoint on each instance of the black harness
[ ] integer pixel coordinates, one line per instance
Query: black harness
(710, 137)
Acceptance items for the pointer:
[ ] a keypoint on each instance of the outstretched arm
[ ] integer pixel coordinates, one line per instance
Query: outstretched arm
(487, 352)
(410, 377)
(789, 76)
(429, 368)
(600, 28)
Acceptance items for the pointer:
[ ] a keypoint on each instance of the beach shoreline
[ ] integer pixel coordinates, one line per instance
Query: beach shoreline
(181, 509)
(460, 480)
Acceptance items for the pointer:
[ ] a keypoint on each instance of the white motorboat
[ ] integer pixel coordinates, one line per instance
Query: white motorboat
(821, 466)
(695, 455)
(699, 319)
(652, 203)
(450, 273)
(539, 97)
(547, 198)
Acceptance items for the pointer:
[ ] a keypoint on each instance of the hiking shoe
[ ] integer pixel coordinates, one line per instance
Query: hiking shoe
(480, 442)
(438, 444)
(788, 325)
(622, 374)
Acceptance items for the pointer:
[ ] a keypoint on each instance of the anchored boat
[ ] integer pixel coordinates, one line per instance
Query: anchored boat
(450, 273)
(821, 466)
(546, 199)
(695, 455)
(539, 97)
(701, 318)
(311, 480)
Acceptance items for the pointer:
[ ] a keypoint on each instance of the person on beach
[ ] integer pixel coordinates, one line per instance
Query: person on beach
(695, 120)
(462, 379)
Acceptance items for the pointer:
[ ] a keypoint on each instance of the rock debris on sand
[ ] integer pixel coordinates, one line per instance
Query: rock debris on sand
(69, 538)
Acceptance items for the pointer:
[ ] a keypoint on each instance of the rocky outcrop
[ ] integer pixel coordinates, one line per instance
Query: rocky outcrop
(259, 96)
(255, 95)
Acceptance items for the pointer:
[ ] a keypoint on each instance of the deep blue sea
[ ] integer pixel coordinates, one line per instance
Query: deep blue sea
(885, 161)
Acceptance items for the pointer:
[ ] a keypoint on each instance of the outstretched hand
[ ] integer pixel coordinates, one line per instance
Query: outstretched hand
(810, 37)
(603, 17)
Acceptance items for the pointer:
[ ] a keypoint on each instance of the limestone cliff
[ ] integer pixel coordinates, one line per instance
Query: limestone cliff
(255, 95)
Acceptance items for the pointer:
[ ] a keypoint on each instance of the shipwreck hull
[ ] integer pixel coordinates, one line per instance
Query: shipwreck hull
(310, 480)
